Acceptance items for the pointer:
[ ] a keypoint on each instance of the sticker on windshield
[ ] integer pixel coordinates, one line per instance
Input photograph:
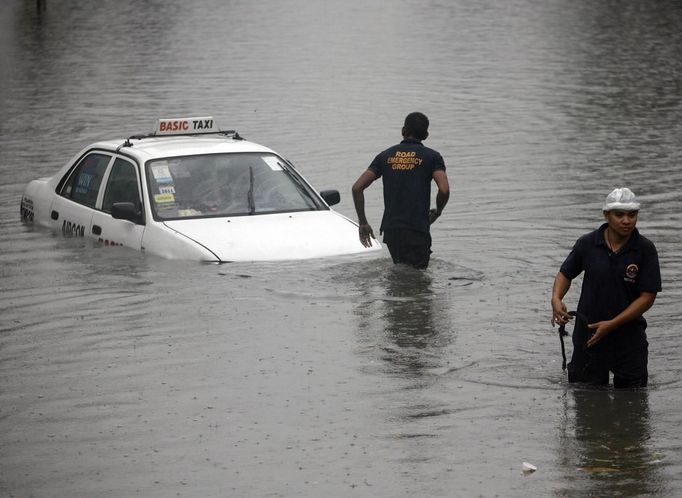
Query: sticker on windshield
(167, 189)
(161, 173)
(164, 198)
(273, 162)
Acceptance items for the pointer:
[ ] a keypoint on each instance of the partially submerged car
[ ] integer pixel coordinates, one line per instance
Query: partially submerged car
(190, 191)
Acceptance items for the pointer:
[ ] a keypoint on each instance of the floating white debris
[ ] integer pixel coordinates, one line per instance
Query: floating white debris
(527, 468)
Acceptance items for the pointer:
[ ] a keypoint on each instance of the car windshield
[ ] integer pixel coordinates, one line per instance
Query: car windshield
(226, 185)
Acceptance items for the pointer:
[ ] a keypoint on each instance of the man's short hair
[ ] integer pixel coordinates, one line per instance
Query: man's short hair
(417, 125)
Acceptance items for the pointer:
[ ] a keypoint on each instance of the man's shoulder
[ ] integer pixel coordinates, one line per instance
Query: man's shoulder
(588, 240)
(645, 243)
(410, 145)
(431, 150)
(393, 148)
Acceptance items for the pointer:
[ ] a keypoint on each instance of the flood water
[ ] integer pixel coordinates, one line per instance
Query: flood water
(125, 375)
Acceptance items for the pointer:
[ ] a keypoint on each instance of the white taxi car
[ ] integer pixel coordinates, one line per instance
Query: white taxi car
(191, 191)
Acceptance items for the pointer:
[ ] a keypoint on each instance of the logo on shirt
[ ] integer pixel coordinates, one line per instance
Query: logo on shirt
(404, 160)
(631, 272)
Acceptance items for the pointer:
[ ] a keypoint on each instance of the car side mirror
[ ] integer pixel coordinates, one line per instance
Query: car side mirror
(331, 197)
(126, 211)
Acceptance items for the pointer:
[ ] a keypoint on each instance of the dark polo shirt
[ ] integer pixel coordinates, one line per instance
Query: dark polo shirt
(406, 170)
(612, 281)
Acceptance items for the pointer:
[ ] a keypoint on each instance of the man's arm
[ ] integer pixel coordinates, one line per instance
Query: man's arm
(559, 311)
(441, 178)
(365, 231)
(636, 309)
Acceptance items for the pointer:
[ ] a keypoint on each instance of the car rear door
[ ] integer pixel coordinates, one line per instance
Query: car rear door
(122, 185)
(77, 194)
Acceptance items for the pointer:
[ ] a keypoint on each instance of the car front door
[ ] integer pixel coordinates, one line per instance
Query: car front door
(122, 185)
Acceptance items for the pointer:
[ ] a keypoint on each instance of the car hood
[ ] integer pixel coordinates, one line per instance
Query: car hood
(271, 237)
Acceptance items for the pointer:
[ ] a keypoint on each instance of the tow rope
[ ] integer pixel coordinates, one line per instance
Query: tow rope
(563, 333)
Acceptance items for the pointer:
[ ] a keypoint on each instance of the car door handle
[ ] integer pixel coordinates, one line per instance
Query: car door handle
(54, 215)
(96, 229)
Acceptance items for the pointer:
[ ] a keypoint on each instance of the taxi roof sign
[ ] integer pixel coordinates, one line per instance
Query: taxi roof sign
(186, 126)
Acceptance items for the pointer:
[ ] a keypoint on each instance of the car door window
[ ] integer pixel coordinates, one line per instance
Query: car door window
(84, 182)
(122, 185)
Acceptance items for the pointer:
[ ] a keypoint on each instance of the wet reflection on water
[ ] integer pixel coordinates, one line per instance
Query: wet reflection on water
(607, 436)
(411, 332)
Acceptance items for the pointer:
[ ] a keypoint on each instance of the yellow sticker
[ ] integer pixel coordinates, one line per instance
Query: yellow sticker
(164, 198)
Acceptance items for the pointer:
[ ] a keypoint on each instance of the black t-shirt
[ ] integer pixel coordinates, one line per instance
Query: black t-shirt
(407, 170)
(613, 280)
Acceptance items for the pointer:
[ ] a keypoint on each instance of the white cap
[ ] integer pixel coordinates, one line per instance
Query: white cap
(621, 199)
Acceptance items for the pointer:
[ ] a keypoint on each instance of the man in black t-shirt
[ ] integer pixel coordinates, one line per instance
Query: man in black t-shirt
(407, 170)
(621, 280)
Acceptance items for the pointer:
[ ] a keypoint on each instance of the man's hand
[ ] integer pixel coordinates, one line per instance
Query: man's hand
(433, 216)
(358, 189)
(366, 234)
(602, 329)
(560, 314)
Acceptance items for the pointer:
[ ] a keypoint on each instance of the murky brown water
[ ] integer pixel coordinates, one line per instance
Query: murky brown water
(126, 375)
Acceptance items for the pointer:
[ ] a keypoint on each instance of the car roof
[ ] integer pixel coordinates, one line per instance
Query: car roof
(171, 146)
(184, 136)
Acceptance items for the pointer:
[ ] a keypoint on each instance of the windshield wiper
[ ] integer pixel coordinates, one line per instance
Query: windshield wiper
(249, 195)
